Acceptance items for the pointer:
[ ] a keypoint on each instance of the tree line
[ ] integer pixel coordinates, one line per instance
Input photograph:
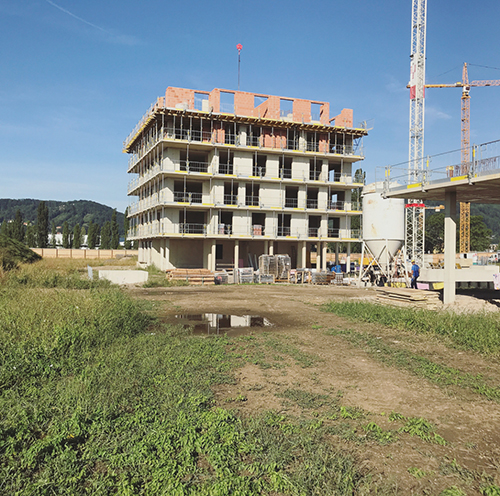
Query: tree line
(36, 235)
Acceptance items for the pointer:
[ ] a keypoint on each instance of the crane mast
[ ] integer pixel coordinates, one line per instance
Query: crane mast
(415, 211)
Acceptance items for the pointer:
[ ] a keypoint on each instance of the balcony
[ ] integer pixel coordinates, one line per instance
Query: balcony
(192, 228)
(230, 199)
(187, 197)
(344, 206)
(283, 231)
(291, 203)
(313, 232)
(194, 166)
(252, 201)
(226, 168)
(312, 203)
(333, 232)
(225, 229)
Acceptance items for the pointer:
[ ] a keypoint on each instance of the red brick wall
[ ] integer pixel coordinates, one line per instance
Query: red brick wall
(243, 103)
(345, 118)
(173, 96)
(301, 110)
(214, 100)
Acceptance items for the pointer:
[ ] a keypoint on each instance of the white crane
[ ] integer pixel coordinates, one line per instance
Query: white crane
(415, 210)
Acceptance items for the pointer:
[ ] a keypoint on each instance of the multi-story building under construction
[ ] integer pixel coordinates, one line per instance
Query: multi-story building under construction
(225, 176)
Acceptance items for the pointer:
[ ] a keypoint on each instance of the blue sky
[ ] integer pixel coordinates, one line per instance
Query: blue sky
(75, 77)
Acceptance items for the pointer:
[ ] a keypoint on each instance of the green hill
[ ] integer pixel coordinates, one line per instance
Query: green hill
(12, 253)
(74, 212)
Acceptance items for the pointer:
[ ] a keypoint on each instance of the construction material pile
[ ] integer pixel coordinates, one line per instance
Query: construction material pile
(416, 298)
(278, 266)
(199, 277)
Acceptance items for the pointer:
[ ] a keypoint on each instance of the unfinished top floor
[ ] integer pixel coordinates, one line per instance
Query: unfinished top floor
(252, 107)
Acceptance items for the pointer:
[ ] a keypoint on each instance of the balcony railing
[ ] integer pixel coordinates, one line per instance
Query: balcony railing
(252, 201)
(157, 228)
(291, 203)
(226, 168)
(194, 166)
(285, 173)
(344, 206)
(283, 231)
(192, 228)
(187, 197)
(312, 203)
(230, 199)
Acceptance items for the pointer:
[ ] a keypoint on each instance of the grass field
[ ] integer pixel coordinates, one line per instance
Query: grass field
(98, 397)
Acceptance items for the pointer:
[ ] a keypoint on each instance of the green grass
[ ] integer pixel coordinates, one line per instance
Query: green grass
(478, 332)
(97, 397)
(420, 366)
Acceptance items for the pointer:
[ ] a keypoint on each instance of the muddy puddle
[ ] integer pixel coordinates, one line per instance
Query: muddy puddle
(216, 323)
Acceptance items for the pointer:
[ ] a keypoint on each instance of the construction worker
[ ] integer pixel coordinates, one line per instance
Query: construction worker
(415, 272)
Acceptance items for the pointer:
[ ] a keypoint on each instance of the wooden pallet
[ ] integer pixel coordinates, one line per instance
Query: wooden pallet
(199, 277)
(416, 298)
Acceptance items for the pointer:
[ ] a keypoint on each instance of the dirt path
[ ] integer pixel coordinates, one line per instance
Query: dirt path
(469, 423)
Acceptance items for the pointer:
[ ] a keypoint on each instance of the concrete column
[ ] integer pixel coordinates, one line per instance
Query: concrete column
(266, 246)
(318, 256)
(450, 246)
(213, 255)
(348, 259)
(336, 253)
(236, 254)
(323, 256)
(271, 247)
(303, 250)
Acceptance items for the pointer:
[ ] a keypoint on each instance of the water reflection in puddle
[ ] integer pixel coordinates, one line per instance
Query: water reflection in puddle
(216, 323)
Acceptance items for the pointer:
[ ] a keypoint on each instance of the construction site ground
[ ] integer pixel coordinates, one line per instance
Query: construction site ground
(469, 423)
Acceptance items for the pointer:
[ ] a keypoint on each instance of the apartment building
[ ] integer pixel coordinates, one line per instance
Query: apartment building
(222, 177)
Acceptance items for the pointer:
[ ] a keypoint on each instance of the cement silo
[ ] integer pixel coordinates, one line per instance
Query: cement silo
(383, 228)
(383, 221)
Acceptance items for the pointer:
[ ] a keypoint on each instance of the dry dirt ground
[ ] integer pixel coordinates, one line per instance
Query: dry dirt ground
(468, 422)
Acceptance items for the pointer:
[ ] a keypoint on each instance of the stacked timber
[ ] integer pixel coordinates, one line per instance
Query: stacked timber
(196, 277)
(416, 298)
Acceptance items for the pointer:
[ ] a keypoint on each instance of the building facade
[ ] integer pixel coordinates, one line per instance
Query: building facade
(222, 177)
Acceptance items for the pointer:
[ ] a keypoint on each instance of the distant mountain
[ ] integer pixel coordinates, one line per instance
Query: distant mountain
(489, 212)
(74, 212)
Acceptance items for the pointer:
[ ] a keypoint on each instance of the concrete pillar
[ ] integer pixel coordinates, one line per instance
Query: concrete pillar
(323, 256)
(348, 259)
(303, 257)
(236, 254)
(271, 247)
(450, 245)
(336, 253)
(318, 256)
(213, 256)
(266, 246)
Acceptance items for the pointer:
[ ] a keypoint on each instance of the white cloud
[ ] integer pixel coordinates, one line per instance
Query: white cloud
(110, 36)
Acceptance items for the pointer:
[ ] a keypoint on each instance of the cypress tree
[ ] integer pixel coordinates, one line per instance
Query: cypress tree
(30, 236)
(77, 236)
(106, 236)
(42, 225)
(18, 229)
(115, 231)
(66, 241)
(6, 228)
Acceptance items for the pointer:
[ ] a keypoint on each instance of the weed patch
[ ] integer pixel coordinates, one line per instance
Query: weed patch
(478, 332)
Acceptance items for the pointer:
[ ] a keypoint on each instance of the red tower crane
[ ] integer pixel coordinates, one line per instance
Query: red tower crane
(465, 146)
